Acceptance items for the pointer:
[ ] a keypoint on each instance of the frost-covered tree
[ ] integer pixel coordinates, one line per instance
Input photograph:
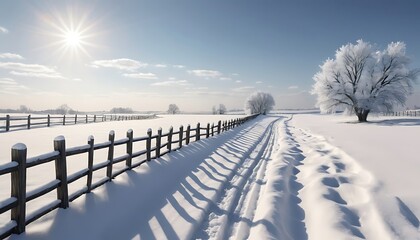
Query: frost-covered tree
(214, 110)
(259, 102)
(24, 109)
(63, 109)
(363, 79)
(173, 109)
(222, 109)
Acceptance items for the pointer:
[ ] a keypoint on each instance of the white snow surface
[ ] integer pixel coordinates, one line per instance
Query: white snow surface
(277, 177)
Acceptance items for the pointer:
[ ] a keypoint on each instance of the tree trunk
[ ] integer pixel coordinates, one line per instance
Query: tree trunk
(362, 114)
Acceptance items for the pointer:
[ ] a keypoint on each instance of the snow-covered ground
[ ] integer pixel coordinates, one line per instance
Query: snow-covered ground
(306, 177)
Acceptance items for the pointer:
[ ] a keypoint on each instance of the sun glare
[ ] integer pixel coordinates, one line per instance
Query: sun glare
(70, 34)
(72, 39)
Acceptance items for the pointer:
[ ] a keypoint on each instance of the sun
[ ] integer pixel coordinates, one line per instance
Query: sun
(73, 39)
(70, 34)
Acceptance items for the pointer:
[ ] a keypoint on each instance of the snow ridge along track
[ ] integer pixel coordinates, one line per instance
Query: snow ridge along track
(233, 213)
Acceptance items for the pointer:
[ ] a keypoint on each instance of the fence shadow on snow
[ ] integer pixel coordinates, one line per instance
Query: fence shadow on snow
(155, 146)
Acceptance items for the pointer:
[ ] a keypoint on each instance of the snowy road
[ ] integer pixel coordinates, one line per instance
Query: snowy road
(263, 180)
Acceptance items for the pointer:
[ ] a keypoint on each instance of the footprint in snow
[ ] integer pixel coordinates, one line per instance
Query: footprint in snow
(330, 182)
(323, 169)
(340, 166)
(343, 180)
(334, 196)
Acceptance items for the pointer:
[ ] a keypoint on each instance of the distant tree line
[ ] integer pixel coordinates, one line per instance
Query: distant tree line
(121, 110)
(62, 110)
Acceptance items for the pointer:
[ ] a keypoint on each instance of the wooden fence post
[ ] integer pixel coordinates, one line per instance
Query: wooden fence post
(197, 132)
(61, 171)
(169, 146)
(149, 144)
(75, 118)
(64, 119)
(7, 123)
(187, 135)
(212, 129)
(48, 120)
(86, 118)
(219, 125)
(18, 181)
(111, 138)
(91, 142)
(29, 121)
(129, 148)
(158, 142)
(208, 130)
(181, 135)
(94, 118)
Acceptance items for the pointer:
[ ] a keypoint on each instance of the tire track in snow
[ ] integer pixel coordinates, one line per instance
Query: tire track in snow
(226, 213)
(246, 209)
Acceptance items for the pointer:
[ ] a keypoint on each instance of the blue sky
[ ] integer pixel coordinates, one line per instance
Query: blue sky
(194, 53)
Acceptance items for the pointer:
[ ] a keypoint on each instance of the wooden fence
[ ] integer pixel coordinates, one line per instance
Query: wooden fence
(47, 121)
(17, 168)
(408, 113)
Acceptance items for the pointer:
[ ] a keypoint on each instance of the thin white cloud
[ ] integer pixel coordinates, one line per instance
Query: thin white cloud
(161, 65)
(11, 56)
(238, 81)
(205, 73)
(178, 66)
(121, 63)
(198, 88)
(37, 74)
(30, 70)
(172, 78)
(10, 86)
(235, 74)
(7, 81)
(243, 89)
(3, 30)
(27, 67)
(225, 78)
(77, 79)
(141, 75)
(258, 82)
(171, 83)
(293, 87)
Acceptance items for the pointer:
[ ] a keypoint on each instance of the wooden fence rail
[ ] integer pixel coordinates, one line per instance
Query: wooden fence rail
(47, 121)
(17, 168)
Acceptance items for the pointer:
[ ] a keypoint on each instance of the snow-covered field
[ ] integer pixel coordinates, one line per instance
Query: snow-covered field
(309, 176)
